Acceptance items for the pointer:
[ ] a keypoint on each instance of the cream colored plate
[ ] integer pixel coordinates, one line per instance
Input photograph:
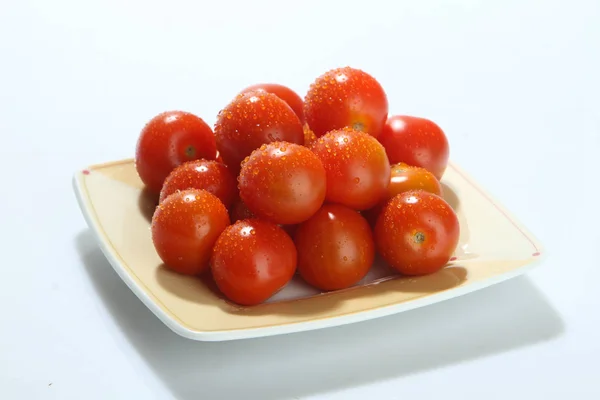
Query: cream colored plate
(493, 247)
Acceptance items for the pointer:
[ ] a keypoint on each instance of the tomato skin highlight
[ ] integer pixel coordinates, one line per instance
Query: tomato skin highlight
(335, 248)
(168, 140)
(417, 232)
(252, 260)
(416, 141)
(358, 170)
(253, 119)
(283, 182)
(346, 97)
(185, 227)
(284, 93)
(219, 158)
(211, 176)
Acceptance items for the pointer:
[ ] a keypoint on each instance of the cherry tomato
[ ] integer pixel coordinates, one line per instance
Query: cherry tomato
(335, 248)
(252, 119)
(283, 182)
(185, 227)
(284, 93)
(404, 178)
(252, 260)
(202, 174)
(346, 97)
(417, 232)
(167, 141)
(358, 170)
(416, 141)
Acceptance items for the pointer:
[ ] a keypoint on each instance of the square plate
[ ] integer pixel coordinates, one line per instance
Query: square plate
(493, 247)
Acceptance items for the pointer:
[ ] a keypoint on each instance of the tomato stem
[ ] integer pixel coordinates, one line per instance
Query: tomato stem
(358, 126)
(419, 237)
(190, 151)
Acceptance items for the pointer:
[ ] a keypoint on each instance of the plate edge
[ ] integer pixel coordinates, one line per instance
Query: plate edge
(228, 335)
(85, 208)
(500, 206)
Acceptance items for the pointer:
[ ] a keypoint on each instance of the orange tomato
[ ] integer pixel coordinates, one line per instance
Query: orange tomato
(405, 177)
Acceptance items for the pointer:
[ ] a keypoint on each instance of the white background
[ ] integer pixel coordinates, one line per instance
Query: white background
(513, 83)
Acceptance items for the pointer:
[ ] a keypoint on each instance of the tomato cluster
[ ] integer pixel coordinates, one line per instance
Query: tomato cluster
(316, 186)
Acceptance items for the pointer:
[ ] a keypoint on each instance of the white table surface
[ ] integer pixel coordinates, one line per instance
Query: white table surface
(513, 83)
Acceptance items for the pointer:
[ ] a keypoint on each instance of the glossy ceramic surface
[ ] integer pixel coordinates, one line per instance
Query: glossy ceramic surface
(493, 247)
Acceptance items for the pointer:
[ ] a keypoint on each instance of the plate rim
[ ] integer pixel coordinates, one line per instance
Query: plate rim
(247, 333)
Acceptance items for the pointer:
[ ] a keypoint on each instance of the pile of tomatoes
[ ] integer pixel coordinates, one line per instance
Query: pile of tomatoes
(285, 185)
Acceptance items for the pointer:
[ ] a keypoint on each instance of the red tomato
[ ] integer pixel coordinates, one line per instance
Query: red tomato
(167, 141)
(358, 170)
(335, 248)
(252, 260)
(404, 178)
(283, 182)
(253, 119)
(202, 174)
(416, 141)
(417, 232)
(346, 97)
(185, 227)
(284, 93)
